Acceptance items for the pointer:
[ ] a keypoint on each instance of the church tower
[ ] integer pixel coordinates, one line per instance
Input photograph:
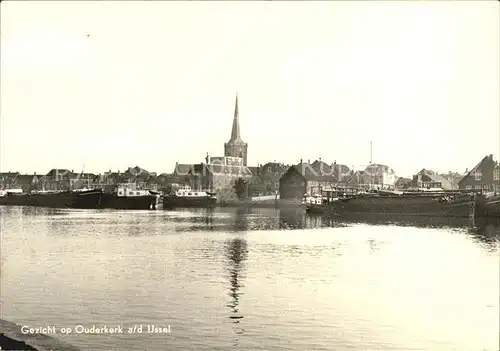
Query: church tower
(235, 147)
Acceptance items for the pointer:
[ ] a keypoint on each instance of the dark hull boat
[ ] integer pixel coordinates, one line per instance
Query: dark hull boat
(171, 201)
(88, 199)
(492, 206)
(392, 206)
(67, 199)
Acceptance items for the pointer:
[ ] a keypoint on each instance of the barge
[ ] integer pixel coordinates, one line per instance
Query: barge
(85, 199)
(122, 196)
(456, 205)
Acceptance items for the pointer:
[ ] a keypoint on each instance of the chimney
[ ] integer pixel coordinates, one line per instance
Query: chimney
(491, 156)
(206, 159)
(308, 161)
(300, 160)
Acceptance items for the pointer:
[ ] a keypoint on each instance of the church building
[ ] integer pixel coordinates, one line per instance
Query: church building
(220, 173)
(236, 147)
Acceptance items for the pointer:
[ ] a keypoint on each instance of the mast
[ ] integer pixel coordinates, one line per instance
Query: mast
(371, 152)
(371, 167)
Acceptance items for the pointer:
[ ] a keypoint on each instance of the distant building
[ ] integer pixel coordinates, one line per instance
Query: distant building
(336, 170)
(454, 178)
(341, 172)
(58, 179)
(303, 179)
(427, 178)
(379, 176)
(167, 182)
(267, 178)
(484, 176)
(107, 179)
(356, 179)
(8, 180)
(403, 183)
(27, 182)
(322, 168)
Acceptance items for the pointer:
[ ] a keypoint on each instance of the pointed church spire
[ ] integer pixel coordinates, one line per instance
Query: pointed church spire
(235, 133)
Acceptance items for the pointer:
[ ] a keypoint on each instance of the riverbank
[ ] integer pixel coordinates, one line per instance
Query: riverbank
(11, 338)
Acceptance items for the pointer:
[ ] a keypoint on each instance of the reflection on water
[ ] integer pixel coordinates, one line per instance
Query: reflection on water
(239, 278)
(236, 253)
(486, 231)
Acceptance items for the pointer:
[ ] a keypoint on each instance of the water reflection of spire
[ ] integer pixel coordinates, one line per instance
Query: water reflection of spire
(209, 218)
(236, 254)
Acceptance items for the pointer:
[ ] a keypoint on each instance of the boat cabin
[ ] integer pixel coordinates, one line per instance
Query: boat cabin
(329, 195)
(186, 191)
(7, 192)
(130, 190)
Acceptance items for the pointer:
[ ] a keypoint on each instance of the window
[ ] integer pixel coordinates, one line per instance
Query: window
(496, 174)
(468, 187)
(496, 188)
(478, 187)
(478, 175)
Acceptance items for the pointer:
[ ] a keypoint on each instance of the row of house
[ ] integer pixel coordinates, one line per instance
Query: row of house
(211, 175)
(311, 177)
(64, 179)
(290, 181)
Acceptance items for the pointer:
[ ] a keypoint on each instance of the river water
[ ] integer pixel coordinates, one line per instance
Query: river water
(264, 279)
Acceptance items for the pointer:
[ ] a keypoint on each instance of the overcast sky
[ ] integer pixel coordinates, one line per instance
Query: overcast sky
(108, 85)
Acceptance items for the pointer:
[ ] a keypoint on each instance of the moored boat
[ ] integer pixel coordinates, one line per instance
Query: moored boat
(492, 205)
(317, 203)
(392, 205)
(186, 197)
(86, 199)
(129, 197)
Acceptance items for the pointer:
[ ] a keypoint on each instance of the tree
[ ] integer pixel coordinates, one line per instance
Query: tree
(241, 188)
